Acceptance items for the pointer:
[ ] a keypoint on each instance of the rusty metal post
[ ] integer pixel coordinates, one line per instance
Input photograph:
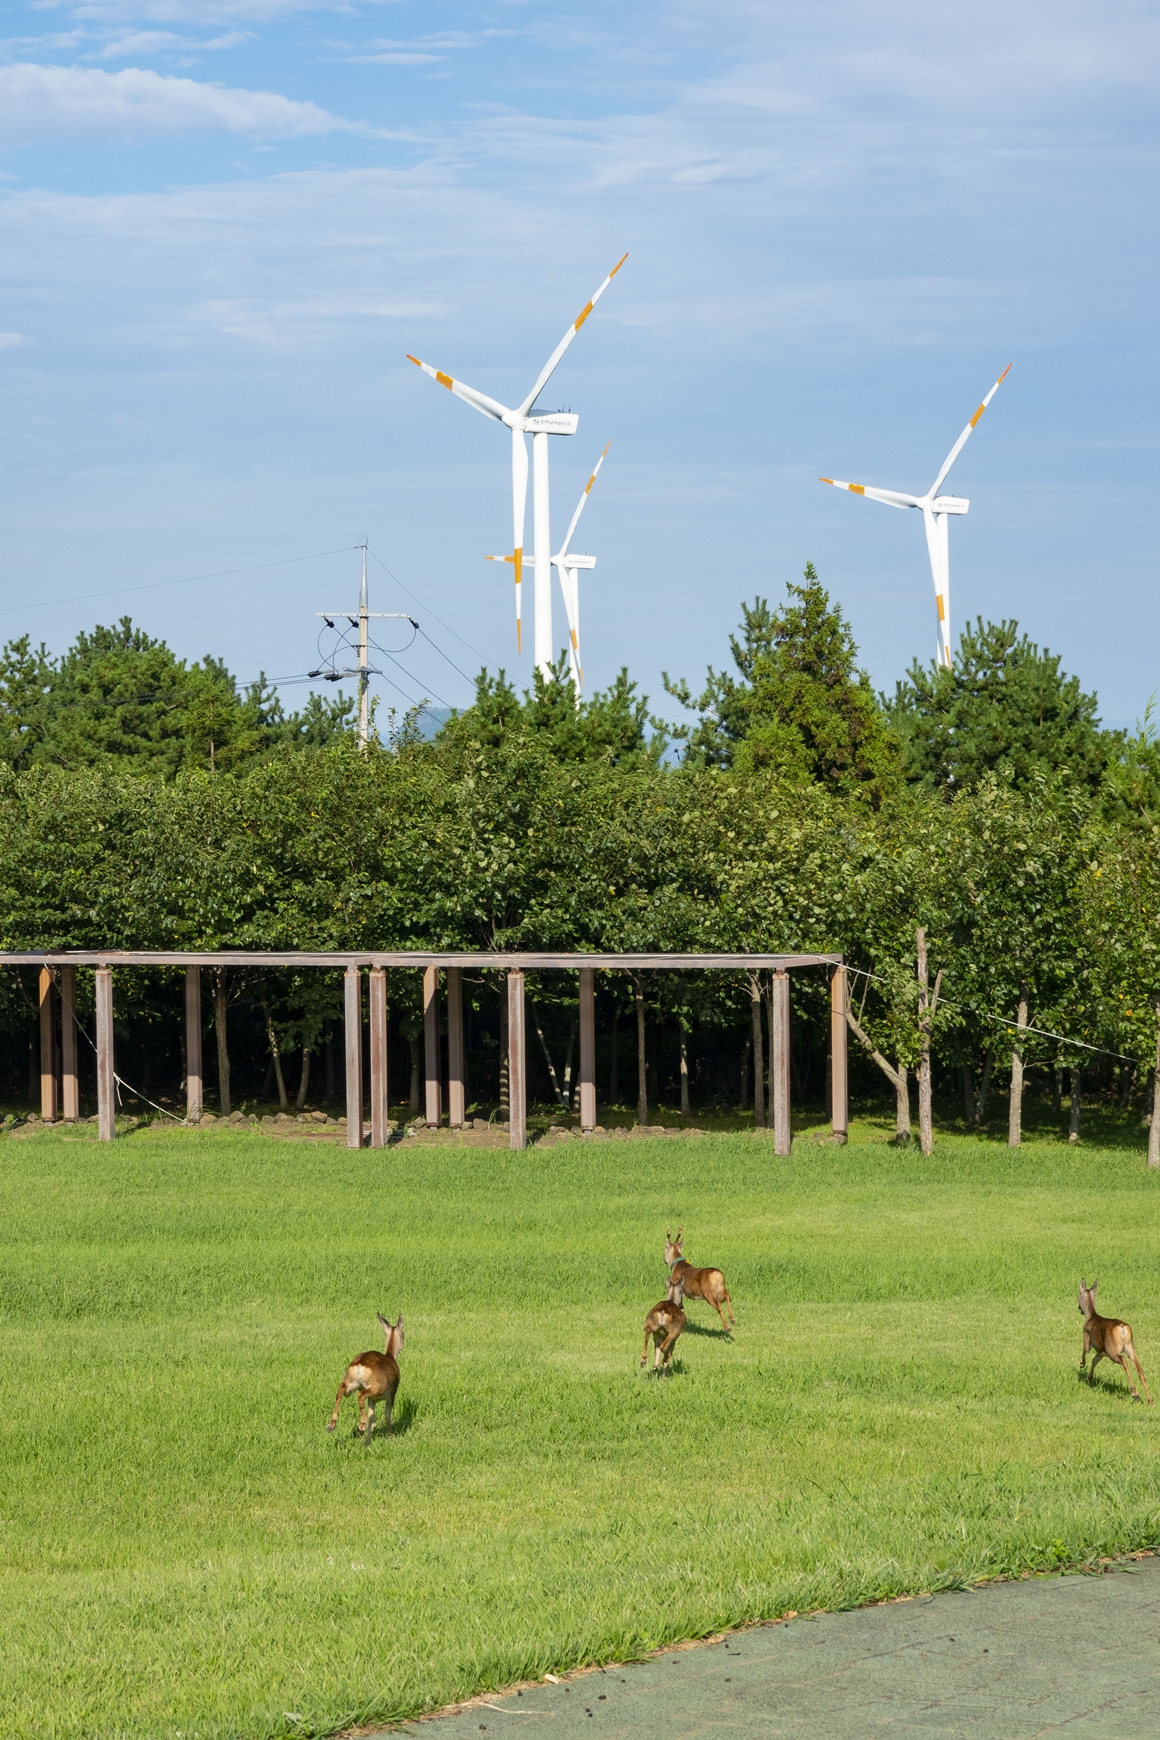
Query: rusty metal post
(434, 1106)
(352, 1026)
(839, 1081)
(779, 1042)
(106, 1082)
(47, 1045)
(587, 1049)
(456, 1090)
(379, 1096)
(70, 1089)
(193, 1068)
(517, 1060)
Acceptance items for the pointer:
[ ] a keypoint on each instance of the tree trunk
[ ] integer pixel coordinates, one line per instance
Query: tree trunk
(1057, 1091)
(1076, 1104)
(417, 1076)
(899, 1080)
(1127, 1075)
(34, 1068)
(1154, 1126)
(984, 1085)
(568, 1065)
(745, 1051)
(641, 1057)
(684, 1043)
(546, 1052)
(926, 1012)
(1015, 1102)
(968, 1080)
(275, 1057)
(303, 1080)
(223, 1055)
(329, 1055)
(758, 1053)
(614, 1058)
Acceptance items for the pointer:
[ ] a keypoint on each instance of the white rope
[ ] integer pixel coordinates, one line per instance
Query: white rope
(1005, 1020)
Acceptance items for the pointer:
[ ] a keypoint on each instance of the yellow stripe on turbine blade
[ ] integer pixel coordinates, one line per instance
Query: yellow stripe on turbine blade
(616, 269)
(518, 558)
(976, 417)
(942, 615)
(825, 480)
(582, 317)
(415, 360)
(1004, 375)
(444, 380)
(856, 488)
(575, 642)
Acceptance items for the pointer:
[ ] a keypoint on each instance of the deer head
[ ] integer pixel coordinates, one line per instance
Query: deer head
(673, 1246)
(676, 1291)
(392, 1335)
(1087, 1297)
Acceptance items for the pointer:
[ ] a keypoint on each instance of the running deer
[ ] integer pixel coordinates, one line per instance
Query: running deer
(1107, 1338)
(664, 1323)
(707, 1284)
(373, 1377)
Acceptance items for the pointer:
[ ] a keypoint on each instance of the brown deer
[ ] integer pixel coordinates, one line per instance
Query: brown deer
(373, 1377)
(707, 1284)
(664, 1323)
(1107, 1338)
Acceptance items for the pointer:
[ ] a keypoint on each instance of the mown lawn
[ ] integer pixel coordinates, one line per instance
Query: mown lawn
(187, 1553)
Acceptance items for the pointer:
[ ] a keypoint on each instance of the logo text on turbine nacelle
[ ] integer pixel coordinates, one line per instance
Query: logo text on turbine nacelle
(554, 423)
(950, 504)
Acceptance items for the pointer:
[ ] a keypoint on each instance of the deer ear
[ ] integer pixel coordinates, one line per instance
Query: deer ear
(382, 1320)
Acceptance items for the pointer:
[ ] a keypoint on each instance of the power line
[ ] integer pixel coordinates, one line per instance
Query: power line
(431, 613)
(187, 580)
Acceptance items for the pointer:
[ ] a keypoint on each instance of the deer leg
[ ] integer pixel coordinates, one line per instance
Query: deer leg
(729, 1302)
(1097, 1354)
(667, 1348)
(338, 1400)
(644, 1355)
(1122, 1361)
(658, 1345)
(362, 1410)
(721, 1315)
(1143, 1379)
(370, 1423)
(388, 1410)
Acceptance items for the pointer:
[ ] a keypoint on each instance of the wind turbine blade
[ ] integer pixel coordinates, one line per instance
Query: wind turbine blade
(585, 493)
(518, 565)
(549, 366)
(892, 497)
(519, 501)
(962, 440)
(478, 401)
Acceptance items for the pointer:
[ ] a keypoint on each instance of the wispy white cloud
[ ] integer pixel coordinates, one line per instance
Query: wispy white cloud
(151, 42)
(13, 340)
(44, 102)
(291, 324)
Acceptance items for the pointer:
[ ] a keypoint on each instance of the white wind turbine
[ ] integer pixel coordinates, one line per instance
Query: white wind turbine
(567, 564)
(934, 508)
(523, 420)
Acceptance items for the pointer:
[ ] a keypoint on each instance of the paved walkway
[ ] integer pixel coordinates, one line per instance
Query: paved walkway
(1076, 1656)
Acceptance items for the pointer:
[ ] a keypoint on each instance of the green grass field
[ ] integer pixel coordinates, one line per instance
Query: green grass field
(187, 1553)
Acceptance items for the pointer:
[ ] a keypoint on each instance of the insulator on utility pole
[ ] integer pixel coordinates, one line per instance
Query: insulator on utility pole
(364, 672)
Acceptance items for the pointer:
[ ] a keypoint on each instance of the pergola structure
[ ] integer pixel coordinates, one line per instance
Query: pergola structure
(376, 965)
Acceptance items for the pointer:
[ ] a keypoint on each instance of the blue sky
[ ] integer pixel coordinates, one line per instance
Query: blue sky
(222, 226)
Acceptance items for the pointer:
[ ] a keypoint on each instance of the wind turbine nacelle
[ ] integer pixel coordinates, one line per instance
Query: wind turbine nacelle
(554, 423)
(950, 504)
(571, 560)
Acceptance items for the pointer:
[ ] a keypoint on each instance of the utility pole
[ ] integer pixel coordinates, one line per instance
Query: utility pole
(364, 672)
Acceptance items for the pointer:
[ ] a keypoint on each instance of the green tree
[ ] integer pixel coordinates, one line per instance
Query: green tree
(611, 725)
(798, 706)
(1005, 707)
